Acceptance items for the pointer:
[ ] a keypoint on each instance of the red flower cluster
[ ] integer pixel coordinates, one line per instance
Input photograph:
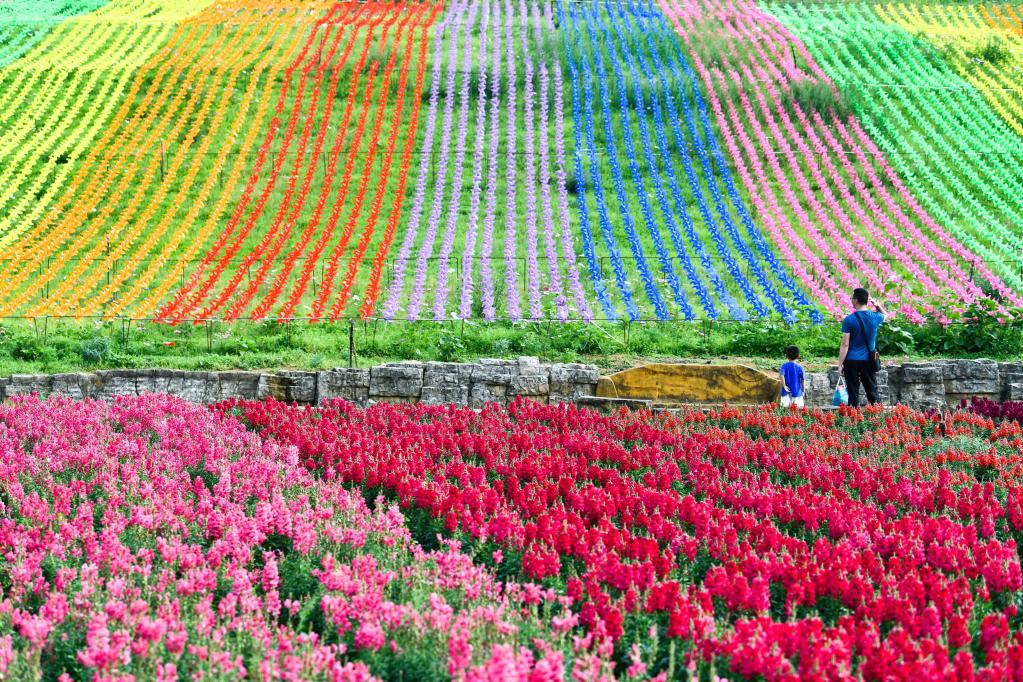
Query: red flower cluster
(810, 544)
(1010, 409)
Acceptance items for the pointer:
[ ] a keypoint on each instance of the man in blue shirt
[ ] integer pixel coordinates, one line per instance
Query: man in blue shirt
(859, 338)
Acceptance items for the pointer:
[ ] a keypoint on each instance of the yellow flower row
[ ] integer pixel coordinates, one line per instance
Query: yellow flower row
(968, 28)
(65, 90)
(177, 81)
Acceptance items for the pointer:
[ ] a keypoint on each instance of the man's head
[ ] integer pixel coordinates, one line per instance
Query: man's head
(860, 296)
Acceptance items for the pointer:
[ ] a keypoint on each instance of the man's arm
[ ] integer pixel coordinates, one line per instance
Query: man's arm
(881, 309)
(843, 351)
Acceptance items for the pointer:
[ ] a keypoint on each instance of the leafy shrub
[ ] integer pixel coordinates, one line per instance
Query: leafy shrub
(95, 350)
(816, 96)
(450, 347)
(993, 52)
(27, 348)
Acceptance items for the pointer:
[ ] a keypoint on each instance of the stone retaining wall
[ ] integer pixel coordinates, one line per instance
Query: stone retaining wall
(937, 384)
(472, 384)
(922, 384)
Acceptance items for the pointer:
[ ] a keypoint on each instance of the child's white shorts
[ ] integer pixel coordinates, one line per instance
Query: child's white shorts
(787, 400)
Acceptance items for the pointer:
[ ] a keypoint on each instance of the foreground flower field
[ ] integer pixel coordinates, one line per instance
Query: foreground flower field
(157, 540)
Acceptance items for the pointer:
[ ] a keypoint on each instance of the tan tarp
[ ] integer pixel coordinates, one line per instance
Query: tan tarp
(666, 383)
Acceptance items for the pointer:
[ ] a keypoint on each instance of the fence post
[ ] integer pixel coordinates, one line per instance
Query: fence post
(209, 335)
(351, 343)
(163, 159)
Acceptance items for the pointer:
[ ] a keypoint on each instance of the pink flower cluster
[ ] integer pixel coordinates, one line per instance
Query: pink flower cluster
(156, 540)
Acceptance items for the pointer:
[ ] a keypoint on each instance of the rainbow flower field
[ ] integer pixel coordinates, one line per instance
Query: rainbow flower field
(508, 160)
(153, 539)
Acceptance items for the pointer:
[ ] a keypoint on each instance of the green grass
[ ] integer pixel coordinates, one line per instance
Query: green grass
(53, 345)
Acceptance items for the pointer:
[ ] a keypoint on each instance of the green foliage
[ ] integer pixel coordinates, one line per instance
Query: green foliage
(450, 346)
(95, 350)
(896, 338)
(993, 51)
(25, 348)
(72, 346)
(816, 96)
(975, 331)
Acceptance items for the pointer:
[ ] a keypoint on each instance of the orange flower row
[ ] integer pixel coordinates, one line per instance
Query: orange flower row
(193, 292)
(269, 60)
(55, 229)
(131, 224)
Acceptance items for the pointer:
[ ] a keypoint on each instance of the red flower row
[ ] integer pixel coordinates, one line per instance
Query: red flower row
(817, 543)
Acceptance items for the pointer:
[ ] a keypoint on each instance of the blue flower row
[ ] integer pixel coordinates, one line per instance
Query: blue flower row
(646, 10)
(669, 216)
(592, 24)
(580, 108)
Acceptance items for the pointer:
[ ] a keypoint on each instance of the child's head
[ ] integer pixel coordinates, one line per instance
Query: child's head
(792, 353)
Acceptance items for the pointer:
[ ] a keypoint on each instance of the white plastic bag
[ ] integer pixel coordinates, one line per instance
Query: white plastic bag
(841, 396)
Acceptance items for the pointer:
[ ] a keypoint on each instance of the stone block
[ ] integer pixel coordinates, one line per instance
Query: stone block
(817, 389)
(571, 394)
(114, 382)
(399, 380)
(198, 387)
(1012, 390)
(447, 374)
(445, 369)
(610, 405)
(236, 384)
(529, 385)
(574, 374)
(289, 387)
(27, 384)
(1010, 379)
(445, 395)
(922, 373)
(79, 385)
(494, 372)
(966, 378)
(919, 385)
(529, 365)
(351, 384)
(567, 382)
(481, 394)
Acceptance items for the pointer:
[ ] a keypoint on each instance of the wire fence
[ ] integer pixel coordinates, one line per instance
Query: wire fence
(355, 337)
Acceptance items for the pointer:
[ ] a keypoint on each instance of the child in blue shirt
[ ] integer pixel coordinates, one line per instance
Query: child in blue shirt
(792, 379)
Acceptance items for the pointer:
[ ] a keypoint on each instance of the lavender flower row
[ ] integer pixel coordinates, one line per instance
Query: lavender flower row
(532, 266)
(511, 212)
(546, 203)
(433, 222)
(486, 247)
(440, 296)
(469, 250)
(415, 216)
